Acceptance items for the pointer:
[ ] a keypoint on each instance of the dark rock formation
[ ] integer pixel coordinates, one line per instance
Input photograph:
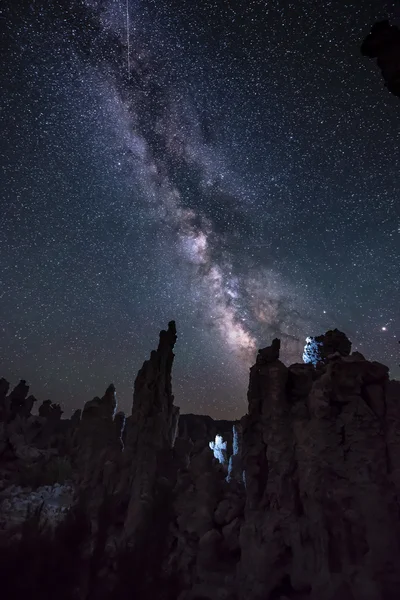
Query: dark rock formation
(300, 499)
(270, 353)
(96, 443)
(151, 430)
(4, 402)
(323, 348)
(17, 401)
(317, 471)
(383, 43)
(49, 410)
(4, 387)
(332, 342)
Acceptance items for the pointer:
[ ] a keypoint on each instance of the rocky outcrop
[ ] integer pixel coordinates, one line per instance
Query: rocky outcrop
(298, 499)
(383, 43)
(321, 515)
(151, 432)
(49, 410)
(17, 402)
(17, 502)
(96, 444)
(318, 350)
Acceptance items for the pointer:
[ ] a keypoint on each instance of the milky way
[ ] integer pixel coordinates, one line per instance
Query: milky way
(195, 163)
(181, 177)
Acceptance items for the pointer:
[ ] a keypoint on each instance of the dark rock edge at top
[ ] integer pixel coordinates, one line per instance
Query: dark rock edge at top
(383, 43)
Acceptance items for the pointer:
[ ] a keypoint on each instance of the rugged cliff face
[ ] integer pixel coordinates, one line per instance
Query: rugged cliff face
(299, 499)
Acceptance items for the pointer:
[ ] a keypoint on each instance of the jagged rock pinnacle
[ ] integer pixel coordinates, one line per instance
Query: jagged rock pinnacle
(310, 490)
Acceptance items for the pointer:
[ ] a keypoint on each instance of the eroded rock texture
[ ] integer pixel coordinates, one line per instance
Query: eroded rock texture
(320, 487)
(299, 499)
(383, 43)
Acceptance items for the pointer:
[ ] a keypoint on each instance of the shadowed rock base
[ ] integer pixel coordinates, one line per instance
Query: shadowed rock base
(299, 499)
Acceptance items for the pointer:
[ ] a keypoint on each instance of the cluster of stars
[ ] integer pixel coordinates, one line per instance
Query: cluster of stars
(235, 168)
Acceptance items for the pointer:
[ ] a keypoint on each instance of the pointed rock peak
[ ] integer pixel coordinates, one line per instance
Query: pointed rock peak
(109, 401)
(76, 417)
(4, 386)
(91, 408)
(153, 382)
(20, 391)
(110, 392)
(104, 407)
(168, 337)
(19, 403)
(109, 396)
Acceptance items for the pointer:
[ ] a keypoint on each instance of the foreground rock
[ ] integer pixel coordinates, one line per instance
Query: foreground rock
(320, 484)
(299, 499)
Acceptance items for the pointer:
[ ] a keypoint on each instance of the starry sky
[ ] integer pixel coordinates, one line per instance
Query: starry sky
(234, 166)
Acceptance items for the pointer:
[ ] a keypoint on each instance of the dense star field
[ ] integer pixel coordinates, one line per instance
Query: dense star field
(234, 166)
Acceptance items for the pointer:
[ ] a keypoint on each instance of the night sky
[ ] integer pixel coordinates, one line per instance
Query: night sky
(237, 169)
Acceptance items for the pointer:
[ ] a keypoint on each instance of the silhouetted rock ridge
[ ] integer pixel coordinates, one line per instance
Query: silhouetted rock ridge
(298, 499)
